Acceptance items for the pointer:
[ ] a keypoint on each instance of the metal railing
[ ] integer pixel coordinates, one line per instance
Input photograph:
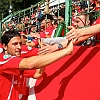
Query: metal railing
(19, 14)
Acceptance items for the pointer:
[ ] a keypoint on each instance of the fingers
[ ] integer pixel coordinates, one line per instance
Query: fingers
(43, 50)
(73, 34)
(69, 48)
(74, 40)
(70, 34)
(70, 27)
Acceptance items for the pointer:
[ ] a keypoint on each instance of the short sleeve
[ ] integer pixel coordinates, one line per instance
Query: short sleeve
(11, 66)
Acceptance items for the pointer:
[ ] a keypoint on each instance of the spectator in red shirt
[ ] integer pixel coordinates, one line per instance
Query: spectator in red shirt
(46, 26)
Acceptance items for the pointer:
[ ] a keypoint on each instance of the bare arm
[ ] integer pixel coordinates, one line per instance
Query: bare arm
(51, 48)
(47, 49)
(40, 61)
(92, 30)
(76, 33)
(81, 39)
(40, 71)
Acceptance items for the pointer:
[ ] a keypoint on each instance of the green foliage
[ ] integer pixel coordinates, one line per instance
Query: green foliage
(16, 5)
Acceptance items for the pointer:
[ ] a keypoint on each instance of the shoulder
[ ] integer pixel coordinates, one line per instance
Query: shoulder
(1, 49)
(1, 56)
(4, 59)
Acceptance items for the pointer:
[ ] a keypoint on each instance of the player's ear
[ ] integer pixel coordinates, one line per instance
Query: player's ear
(88, 22)
(4, 47)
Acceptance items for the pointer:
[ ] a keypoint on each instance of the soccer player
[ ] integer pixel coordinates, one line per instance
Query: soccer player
(14, 67)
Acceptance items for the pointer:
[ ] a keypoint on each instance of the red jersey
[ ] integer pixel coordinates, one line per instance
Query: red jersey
(1, 49)
(0, 45)
(27, 51)
(12, 79)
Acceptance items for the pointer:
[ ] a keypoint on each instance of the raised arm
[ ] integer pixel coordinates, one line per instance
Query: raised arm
(47, 48)
(76, 33)
(40, 61)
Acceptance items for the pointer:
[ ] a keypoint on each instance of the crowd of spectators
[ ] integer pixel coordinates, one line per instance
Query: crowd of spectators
(43, 25)
(37, 32)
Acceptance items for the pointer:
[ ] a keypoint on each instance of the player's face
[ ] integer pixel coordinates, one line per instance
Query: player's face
(14, 46)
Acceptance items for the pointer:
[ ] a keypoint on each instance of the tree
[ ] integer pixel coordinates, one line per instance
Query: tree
(15, 4)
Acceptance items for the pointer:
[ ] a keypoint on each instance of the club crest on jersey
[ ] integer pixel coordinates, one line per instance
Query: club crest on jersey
(6, 56)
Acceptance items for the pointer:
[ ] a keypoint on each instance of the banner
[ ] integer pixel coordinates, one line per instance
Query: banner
(74, 77)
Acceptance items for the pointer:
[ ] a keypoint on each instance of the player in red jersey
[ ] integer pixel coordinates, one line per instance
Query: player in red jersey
(14, 67)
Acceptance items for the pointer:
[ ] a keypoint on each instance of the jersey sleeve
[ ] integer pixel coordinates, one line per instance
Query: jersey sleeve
(10, 66)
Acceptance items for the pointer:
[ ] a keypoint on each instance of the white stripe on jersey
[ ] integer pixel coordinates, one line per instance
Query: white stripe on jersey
(3, 62)
(9, 95)
(1, 50)
(30, 83)
(24, 52)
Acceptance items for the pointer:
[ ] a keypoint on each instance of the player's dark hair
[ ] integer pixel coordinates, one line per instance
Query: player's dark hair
(6, 37)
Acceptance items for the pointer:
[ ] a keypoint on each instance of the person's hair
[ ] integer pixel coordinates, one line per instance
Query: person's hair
(6, 37)
(55, 21)
(90, 15)
(61, 13)
(47, 16)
